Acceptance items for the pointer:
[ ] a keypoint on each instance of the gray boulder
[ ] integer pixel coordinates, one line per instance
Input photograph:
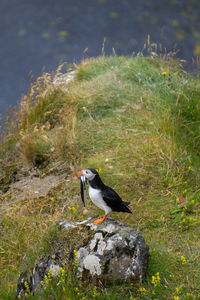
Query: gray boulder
(109, 252)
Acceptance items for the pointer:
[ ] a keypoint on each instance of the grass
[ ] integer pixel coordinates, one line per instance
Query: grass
(136, 118)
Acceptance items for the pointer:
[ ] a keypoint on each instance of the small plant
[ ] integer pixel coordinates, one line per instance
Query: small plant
(95, 294)
(143, 291)
(27, 293)
(62, 279)
(183, 260)
(73, 211)
(156, 280)
(185, 208)
(47, 279)
(75, 259)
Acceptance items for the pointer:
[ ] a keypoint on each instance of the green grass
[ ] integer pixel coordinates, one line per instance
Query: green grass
(120, 114)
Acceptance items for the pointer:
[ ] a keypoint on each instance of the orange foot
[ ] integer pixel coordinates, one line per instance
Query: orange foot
(100, 219)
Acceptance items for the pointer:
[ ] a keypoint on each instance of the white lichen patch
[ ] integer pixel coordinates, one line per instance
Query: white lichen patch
(98, 236)
(55, 270)
(101, 247)
(92, 263)
(82, 252)
(110, 228)
(68, 224)
(110, 245)
(129, 273)
(132, 242)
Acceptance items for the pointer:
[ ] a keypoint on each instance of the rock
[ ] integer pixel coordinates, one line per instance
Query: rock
(110, 252)
(116, 252)
(30, 281)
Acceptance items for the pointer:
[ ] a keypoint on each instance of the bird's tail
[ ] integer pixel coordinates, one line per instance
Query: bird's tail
(126, 209)
(126, 203)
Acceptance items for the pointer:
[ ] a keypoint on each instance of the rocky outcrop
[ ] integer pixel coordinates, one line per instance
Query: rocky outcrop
(115, 252)
(111, 252)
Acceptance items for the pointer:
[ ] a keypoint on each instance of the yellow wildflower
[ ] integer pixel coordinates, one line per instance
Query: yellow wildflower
(42, 283)
(177, 298)
(76, 258)
(183, 260)
(62, 271)
(52, 199)
(163, 73)
(26, 286)
(156, 279)
(73, 209)
(143, 290)
(189, 168)
(95, 292)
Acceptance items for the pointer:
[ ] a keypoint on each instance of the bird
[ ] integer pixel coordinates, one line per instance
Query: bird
(102, 195)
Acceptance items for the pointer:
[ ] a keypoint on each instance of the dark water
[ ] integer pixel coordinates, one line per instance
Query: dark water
(42, 33)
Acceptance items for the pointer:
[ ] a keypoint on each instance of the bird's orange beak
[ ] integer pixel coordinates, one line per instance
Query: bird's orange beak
(80, 173)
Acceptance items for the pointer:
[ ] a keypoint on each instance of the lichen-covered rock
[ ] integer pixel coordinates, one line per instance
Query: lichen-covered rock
(30, 281)
(111, 252)
(116, 252)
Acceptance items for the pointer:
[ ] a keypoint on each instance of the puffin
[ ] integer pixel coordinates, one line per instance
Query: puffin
(100, 194)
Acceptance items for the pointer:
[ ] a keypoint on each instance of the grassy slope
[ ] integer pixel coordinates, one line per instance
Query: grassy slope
(140, 127)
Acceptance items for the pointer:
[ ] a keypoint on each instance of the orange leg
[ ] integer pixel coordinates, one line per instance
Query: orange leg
(100, 219)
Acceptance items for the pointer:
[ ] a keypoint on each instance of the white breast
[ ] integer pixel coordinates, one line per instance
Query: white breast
(96, 197)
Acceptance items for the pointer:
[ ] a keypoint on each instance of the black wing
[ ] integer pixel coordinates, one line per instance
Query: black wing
(114, 201)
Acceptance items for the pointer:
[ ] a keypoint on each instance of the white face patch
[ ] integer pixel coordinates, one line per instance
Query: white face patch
(88, 174)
